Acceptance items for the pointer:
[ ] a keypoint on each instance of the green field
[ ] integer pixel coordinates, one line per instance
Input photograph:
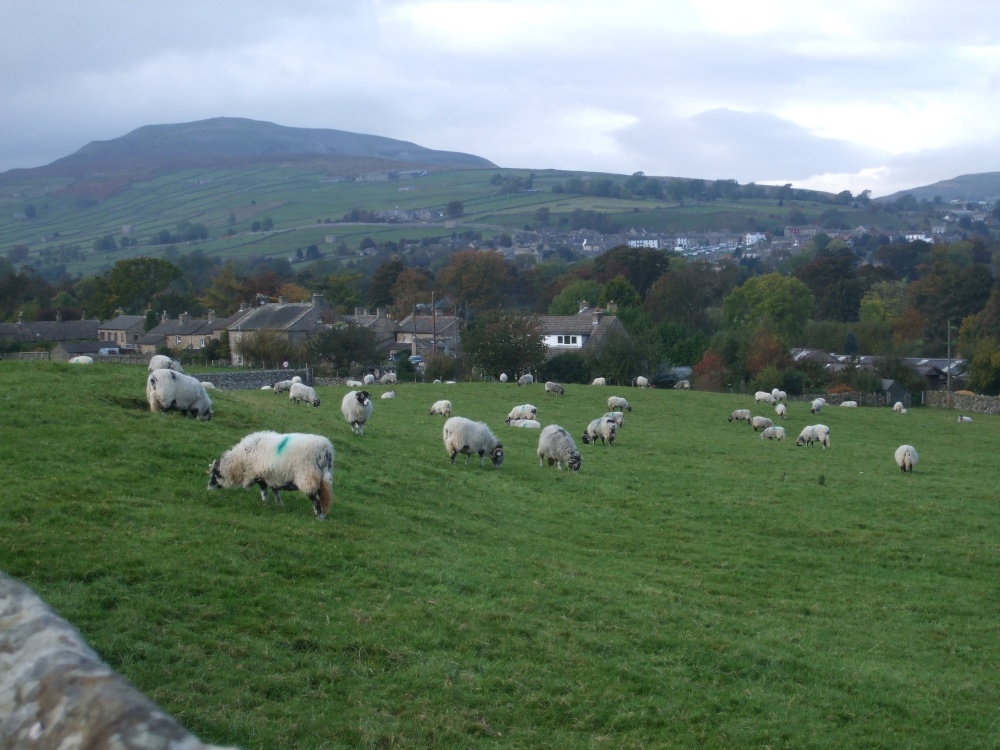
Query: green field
(691, 586)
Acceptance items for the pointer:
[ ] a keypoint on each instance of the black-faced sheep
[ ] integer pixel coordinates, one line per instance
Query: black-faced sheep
(617, 417)
(169, 389)
(163, 362)
(964, 418)
(302, 392)
(356, 406)
(682, 385)
(524, 411)
(617, 403)
(296, 461)
(389, 394)
(817, 405)
(462, 435)
(601, 429)
(906, 458)
(557, 447)
(815, 433)
(553, 387)
(442, 407)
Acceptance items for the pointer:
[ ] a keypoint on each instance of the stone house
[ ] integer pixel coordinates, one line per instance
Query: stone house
(295, 321)
(584, 332)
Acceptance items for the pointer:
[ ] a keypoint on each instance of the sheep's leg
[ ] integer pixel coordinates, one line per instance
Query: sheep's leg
(317, 506)
(277, 496)
(481, 452)
(263, 490)
(453, 454)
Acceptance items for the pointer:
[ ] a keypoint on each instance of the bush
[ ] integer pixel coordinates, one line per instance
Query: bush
(766, 380)
(568, 367)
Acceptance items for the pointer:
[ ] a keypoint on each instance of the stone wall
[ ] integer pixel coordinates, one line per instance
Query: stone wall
(245, 380)
(961, 402)
(55, 692)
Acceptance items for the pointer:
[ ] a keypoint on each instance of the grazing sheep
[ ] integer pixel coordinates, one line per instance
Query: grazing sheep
(82, 359)
(815, 433)
(817, 405)
(906, 458)
(682, 385)
(763, 397)
(773, 433)
(529, 423)
(617, 417)
(208, 386)
(556, 446)
(781, 410)
(553, 387)
(642, 382)
(850, 404)
(525, 379)
(169, 389)
(389, 394)
(524, 411)
(163, 362)
(601, 429)
(898, 407)
(296, 379)
(462, 435)
(617, 403)
(740, 415)
(441, 407)
(282, 386)
(302, 392)
(761, 423)
(388, 378)
(600, 381)
(368, 379)
(296, 461)
(352, 383)
(356, 406)
(503, 377)
(964, 418)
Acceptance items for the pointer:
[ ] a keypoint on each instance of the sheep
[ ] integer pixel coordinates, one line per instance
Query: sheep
(529, 423)
(850, 404)
(556, 446)
(525, 379)
(682, 385)
(302, 392)
(356, 406)
(642, 382)
(282, 386)
(503, 377)
(906, 458)
(441, 407)
(815, 433)
(617, 417)
(600, 429)
(163, 362)
(388, 378)
(617, 403)
(763, 397)
(817, 405)
(296, 461)
(600, 381)
(352, 383)
(964, 418)
(524, 411)
(296, 379)
(553, 387)
(761, 423)
(773, 433)
(898, 407)
(267, 387)
(462, 435)
(389, 394)
(781, 410)
(83, 359)
(368, 379)
(208, 386)
(740, 415)
(168, 389)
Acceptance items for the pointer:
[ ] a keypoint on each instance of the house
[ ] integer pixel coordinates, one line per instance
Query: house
(66, 350)
(122, 330)
(894, 391)
(48, 330)
(935, 371)
(383, 326)
(425, 334)
(584, 332)
(295, 321)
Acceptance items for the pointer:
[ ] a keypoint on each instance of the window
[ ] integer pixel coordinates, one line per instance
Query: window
(567, 340)
(178, 340)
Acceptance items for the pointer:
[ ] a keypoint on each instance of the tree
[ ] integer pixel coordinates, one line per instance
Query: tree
(30, 211)
(480, 280)
(543, 216)
(380, 289)
(18, 254)
(498, 341)
(412, 286)
(641, 266)
(343, 345)
(267, 347)
(620, 291)
(567, 302)
(133, 283)
(455, 209)
(786, 302)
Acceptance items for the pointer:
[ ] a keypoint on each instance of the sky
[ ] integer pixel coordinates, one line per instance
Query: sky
(879, 95)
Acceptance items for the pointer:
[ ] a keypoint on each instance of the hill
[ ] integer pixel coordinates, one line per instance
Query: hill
(974, 188)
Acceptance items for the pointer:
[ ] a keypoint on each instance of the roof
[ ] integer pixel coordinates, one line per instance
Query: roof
(290, 316)
(123, 322)
(443, 325)
(581, 324)
(50, 330)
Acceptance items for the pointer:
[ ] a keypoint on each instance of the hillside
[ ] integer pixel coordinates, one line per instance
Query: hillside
(973, 188)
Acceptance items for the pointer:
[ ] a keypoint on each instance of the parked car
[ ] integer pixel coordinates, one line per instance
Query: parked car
(416, 359)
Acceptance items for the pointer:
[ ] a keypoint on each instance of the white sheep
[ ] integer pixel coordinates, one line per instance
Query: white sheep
(817, 405)
(525, 379)
(169, 389)
(763, 397)
(296, 461)
(642, 382)
(388, 378)
(503, 377)
(617, 403)
(964, 418)
(815, 433)
(533, 424)
(601, 429)
(740, 415)
(302, 392)
(368, 379)
(761, 423)
(296, 379)
(282, 386)
(163, 362)
(82, 359)
(600, 381)
(850, 404)
(553, 387)
(617, 417)
(556, 446)
(773, 432)
(682, 385)
(208, 386)
(462, 435)
(442, 407)
(352, 383)
(898, 407)
(781, 410)
(356, 406)
(524, 411)
(906, 458)
(389, 394)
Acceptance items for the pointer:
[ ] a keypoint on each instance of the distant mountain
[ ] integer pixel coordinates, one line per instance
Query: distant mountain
(223, 141)
(969, 187)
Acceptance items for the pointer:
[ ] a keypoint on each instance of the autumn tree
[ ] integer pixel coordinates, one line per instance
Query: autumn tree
(498, 341)
(479, 280)
(412, 286)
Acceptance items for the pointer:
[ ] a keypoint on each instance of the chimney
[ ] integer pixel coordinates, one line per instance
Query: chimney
(584, 306)
(319, 301)
(164, 317)
(58, 316)
(611, 308)
(211, 316)
(184, 317)
(379, 312)
(20, 318)
(357, 312)
(119, 311)
(597, 318)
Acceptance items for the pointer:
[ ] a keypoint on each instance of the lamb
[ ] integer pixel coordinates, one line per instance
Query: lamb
(898, 407)
(761, 423)
(462, 435)
(524, 411)
(168, 389)
(556, 446)
(282, 386)
(82, 359)
(817, 405)
(525, 379)
(302, 392)
(553, 387)
(763, 397)
(740, 415)
(617, 417)
(388, 378)
(529, 423)
(964, 418)
(781, 410)
(296, 461)
(441, 407)
(389, 394)
(773, 433)
(356, 407)
(503, 377)
(682, 385)
(601, 429)
(618, 403)
(815, 433)
(600, 381)
(163, 362)
(642, 382)
(906, 458)
(850, 404)
(368, 379)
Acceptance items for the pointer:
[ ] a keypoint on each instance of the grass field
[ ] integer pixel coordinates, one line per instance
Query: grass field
(692, 586)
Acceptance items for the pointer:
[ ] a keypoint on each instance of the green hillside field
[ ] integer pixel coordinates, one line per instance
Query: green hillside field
(691, 586)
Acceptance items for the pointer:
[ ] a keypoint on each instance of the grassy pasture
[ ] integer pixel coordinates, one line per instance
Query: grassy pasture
(692, 586)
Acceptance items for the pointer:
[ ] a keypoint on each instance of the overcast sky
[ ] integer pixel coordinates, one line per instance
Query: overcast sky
(855, 94)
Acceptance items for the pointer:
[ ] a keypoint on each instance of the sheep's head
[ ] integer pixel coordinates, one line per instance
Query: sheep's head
(496, 455)
(586, 438)
(575, 461)
(214, 475)
(315, 402)
(364, 398)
